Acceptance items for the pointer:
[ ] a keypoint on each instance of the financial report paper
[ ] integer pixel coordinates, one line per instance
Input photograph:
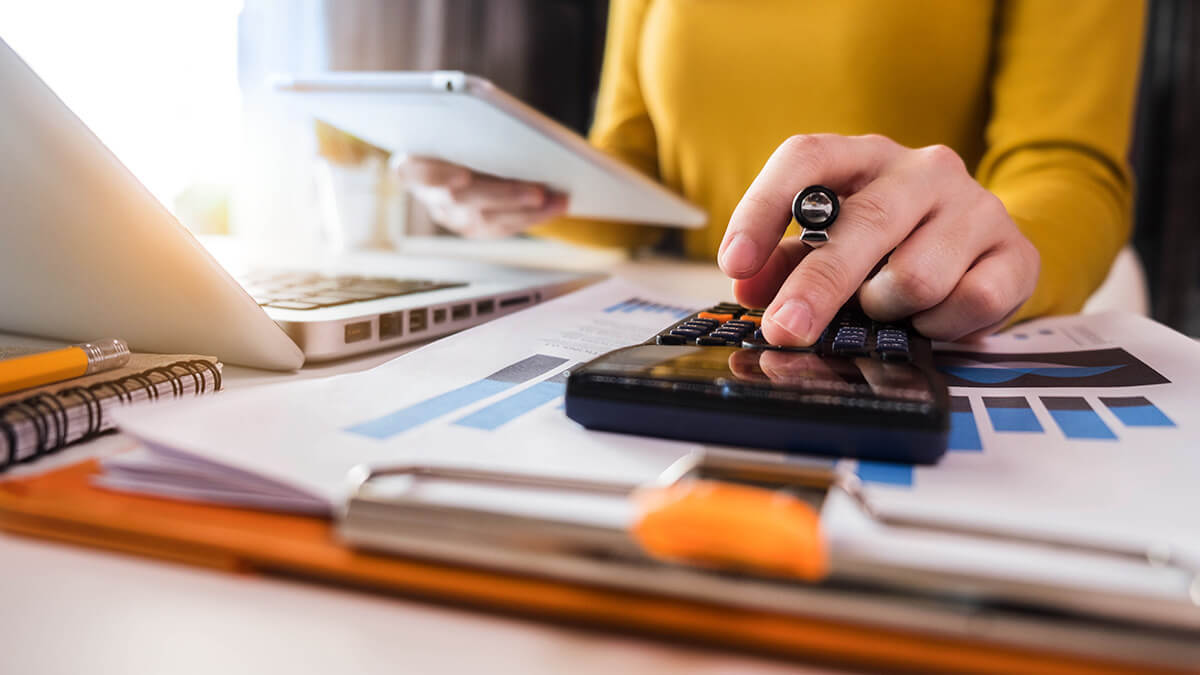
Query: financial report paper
(489, 397)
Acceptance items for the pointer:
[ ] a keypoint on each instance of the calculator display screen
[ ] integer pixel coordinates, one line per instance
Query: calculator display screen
(801, 372)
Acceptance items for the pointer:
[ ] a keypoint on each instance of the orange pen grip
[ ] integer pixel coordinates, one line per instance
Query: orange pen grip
(731, 526)
(25, 372)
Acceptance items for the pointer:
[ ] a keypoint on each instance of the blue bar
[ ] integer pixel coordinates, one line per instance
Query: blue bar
(964, 434)
(1136, 411)
(1076, 418)
(617, 307)
(886, 472)
(1011, 413)
(431, 408)
(419, 413)
(509, 409)
(636, 304)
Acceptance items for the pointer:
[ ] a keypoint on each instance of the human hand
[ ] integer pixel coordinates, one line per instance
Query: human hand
(958, 264)
(474, 204)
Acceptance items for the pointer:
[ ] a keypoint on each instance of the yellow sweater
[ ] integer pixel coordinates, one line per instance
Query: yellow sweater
(1036, 95)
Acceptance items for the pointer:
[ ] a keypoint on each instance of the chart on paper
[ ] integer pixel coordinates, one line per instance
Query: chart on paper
(1081, 424)
(1075, 418)
(494, 415)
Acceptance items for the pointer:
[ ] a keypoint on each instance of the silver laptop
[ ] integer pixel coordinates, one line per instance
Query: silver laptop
(87, 252)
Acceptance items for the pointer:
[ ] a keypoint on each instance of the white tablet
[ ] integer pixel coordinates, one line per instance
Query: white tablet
(469, 121)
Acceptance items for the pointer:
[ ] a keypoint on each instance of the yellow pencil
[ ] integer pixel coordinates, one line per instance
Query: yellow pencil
(34, 370)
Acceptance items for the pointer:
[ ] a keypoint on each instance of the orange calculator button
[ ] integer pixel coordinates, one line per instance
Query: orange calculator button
(755, 319)
(715, 316)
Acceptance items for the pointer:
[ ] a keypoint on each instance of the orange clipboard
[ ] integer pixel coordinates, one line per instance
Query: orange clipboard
(64, 506)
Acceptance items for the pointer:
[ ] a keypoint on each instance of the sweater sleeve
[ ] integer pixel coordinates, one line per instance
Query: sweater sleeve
(622, 128)
(1057, 140)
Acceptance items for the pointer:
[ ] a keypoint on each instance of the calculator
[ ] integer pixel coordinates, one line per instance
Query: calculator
(865, 389)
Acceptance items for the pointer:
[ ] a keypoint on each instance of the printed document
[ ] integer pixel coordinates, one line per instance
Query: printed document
(489, 397)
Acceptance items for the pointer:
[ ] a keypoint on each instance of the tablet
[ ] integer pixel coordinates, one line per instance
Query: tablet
(467, 120)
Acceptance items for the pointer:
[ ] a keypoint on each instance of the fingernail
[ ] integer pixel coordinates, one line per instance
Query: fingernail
(738, 257)
(795, 318)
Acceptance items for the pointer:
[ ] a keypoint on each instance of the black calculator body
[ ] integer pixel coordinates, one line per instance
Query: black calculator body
(865, 389)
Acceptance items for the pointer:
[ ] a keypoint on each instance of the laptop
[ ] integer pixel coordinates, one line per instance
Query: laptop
(87, 252)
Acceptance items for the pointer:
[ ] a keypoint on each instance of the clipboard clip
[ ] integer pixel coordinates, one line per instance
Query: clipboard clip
(732, 510)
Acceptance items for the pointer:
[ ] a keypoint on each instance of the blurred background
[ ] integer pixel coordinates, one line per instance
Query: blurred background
(178, 90)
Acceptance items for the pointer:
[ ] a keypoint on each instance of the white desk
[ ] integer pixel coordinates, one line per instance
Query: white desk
(71, 610)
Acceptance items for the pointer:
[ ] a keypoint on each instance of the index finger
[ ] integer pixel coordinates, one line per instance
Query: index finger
(760, 218)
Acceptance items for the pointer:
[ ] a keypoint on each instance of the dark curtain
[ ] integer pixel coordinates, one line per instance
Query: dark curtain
(545, 52)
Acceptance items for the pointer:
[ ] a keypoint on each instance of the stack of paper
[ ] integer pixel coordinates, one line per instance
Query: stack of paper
(490, 397)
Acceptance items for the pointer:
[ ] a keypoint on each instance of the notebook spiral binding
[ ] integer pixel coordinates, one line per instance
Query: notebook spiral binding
(49, 413)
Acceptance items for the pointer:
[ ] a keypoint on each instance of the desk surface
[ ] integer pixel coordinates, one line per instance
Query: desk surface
(71, 610)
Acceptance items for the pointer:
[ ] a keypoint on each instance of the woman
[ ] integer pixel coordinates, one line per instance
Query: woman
(982, 144)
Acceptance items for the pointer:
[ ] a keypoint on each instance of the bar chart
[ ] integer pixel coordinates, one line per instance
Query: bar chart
(509, 377)
(1075, 418)
(640, 305)
(496, 415)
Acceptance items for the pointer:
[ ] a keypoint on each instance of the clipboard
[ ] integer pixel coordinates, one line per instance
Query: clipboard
(828, 624)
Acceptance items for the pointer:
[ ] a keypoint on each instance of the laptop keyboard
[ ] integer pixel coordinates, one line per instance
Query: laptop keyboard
(309, 290)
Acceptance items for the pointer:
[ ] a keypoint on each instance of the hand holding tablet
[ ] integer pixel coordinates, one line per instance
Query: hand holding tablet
(477, 205)
(466, 121)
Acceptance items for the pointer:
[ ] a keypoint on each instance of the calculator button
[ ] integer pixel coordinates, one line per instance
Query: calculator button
(670, 340)
(712, 341)
(699, 325)
(688, 332)
(850, 340)
(729, 336)
(715, 316)
(742, 323)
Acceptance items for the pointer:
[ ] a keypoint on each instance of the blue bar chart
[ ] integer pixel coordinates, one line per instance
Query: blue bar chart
(640, 305)
(496, 415)
(1075, 417)
(416, 414)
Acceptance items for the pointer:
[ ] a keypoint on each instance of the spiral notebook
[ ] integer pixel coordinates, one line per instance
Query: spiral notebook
(37, 421)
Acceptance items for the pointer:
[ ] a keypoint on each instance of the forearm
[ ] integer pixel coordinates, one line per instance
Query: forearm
(1075, 208)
